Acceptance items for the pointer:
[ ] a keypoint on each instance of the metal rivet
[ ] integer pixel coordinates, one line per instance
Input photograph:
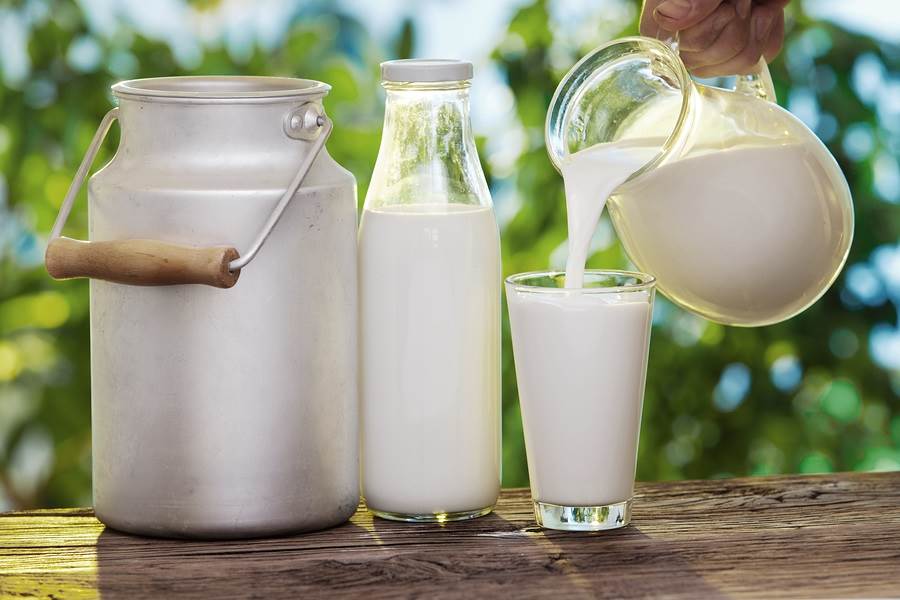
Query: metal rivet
(304, 123)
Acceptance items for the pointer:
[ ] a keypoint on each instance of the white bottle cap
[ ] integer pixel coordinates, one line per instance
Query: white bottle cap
(415, 70)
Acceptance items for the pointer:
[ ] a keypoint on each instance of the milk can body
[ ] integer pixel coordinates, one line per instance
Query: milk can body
(429, 256)
(225, 412)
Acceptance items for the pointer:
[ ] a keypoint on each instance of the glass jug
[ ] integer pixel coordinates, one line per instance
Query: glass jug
(742, 214)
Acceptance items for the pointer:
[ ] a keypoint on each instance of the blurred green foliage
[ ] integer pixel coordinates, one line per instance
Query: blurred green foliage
(817, 393)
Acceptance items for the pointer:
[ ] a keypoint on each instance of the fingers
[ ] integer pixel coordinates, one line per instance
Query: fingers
(677, 15)
(763, 23)
(776, 39)
(704, 35)
(648, 25)
(732, 40)
(726, 37)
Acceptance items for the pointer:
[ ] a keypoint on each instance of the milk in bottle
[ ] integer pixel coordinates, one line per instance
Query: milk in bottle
(429, 268)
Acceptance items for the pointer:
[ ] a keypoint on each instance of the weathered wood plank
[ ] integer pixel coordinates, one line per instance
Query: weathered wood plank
(834, 536)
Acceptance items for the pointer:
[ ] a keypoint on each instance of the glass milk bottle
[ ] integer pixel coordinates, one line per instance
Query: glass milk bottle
(429, 260)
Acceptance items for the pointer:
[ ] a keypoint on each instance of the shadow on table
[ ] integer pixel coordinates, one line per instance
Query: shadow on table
(625, 563)
(495, 555)
(130, 566)
(488, 556)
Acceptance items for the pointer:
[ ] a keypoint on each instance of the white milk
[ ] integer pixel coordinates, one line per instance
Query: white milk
(748, 235)
(581, 360)
(430, 344)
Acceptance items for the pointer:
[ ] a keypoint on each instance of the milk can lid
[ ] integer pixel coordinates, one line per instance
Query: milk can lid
(416, 70)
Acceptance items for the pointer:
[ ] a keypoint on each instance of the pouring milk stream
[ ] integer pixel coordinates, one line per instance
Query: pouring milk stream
(590, 178)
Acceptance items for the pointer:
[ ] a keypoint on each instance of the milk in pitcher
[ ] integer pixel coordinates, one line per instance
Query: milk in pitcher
(730, 251)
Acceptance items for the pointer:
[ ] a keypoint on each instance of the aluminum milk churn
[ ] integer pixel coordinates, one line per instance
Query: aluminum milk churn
(220, 407)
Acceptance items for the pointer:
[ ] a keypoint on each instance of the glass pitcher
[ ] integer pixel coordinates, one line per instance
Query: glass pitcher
(742, 214)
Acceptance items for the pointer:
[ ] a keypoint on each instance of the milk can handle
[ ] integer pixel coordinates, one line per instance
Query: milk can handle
(153, 262)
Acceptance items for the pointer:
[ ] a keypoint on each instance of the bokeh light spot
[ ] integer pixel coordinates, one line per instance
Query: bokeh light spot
(803, 103)
(880, 459)
(712, 335)
(864, 285)
(680, 451)
(868, 77)
(786, 373)
(55, 188)
(732, 387)
(84, 54)
(40, 93)
(884, 345)
(859, 141)
(840, 400)
(816, 462)
(886, 175)
(49, 309)
(10, 361)
(37, 350)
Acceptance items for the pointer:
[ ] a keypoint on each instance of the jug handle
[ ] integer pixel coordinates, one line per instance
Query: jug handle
(757, 83)
(154, 262)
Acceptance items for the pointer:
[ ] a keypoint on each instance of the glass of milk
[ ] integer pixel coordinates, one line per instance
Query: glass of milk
(581, 365)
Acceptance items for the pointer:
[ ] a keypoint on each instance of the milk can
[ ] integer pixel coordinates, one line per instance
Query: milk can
(220, 407)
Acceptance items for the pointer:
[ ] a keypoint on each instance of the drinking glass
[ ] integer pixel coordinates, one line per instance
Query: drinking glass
(581, 365)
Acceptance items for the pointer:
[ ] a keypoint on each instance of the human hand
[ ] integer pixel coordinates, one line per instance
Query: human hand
(718, 37)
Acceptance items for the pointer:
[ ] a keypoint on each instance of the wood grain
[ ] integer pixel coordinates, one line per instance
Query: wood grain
(822, 536)
(141, 262)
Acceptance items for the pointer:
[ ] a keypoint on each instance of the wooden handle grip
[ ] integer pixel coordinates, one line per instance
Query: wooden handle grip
(141, 262)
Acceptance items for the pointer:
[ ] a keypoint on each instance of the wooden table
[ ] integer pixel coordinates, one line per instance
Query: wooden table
(823, 536)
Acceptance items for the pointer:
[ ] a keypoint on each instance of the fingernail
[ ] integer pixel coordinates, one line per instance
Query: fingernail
(743, 8)
(762, 25)
(674, 9)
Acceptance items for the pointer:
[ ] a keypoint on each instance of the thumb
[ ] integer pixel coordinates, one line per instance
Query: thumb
(676, 15)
